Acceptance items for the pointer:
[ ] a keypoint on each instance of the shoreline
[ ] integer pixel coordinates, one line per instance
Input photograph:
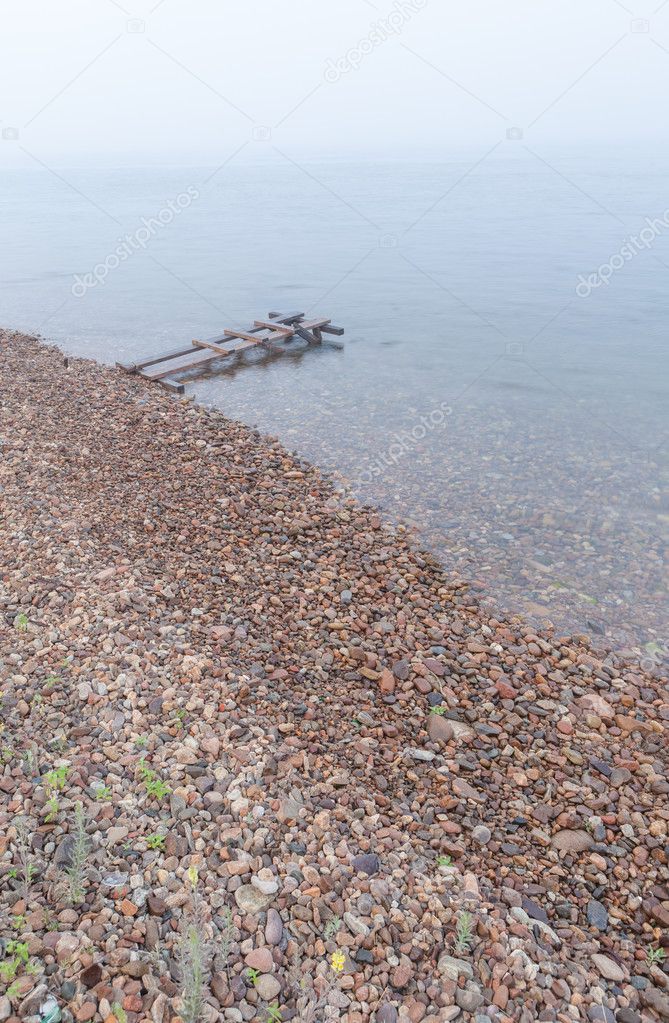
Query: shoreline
(186, 581)
(574, 565)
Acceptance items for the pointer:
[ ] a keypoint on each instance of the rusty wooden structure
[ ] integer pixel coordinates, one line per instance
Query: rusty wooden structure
(274, 334)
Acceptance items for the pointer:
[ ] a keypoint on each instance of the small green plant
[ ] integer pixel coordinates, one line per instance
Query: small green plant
(253, 975)
(655, 956)
(19, 922)
(78, 856)
(103, 793)
(463, 933)
(23, 847)
(274, 1013)
(438, 709)
(21, 622)
(444, 861)
(49, 923)
(16, 953)
(141, 742)
(155, 842)
(225, 936)
(55, 778)
(52, 808)
(155, 786)
(193, 955)
(331, 927)
(119, 1012)
(180, 715)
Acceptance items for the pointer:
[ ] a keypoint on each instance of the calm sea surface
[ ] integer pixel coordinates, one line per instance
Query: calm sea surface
(519, 426)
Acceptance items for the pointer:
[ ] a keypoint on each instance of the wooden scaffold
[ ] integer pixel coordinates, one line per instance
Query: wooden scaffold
(275, 334)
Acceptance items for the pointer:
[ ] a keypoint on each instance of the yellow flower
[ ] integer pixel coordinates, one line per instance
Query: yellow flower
(338, 961)
(192, 876)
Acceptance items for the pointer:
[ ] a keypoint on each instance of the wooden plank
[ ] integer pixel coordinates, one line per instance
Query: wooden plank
(275, 326)
(171, 385)
(310, 324)
(277, 336)
(286, 317)
(330, 329)
(197, 357)
(134, 367)
(239, 347)
(245, 334)
(305, 335)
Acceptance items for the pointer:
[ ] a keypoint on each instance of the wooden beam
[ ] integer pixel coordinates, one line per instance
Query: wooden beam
(328, 328)
(245, 334)
(197, 357)
(134, 367)
(305, 335)
(286, 317)
(275, 326)
(277, 336)
(250, 343)
(171, 385)
(310, 324)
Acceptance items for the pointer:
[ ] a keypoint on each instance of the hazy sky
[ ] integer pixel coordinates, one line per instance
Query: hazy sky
(122, 82)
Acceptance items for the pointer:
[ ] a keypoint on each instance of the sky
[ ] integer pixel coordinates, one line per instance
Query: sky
(137, 82)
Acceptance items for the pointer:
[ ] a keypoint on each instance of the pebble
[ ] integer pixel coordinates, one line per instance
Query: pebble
(481, 834)
(469, 998)
(268, 987)
(386, 1013)
(367, 863)
(273, 928)
(250, 900)
(608, 969)
(453, 968)
(597, 915)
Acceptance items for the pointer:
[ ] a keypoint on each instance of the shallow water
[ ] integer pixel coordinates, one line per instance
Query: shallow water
(519, 426)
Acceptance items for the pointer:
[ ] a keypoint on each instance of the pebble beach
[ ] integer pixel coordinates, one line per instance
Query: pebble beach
(262, 758)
